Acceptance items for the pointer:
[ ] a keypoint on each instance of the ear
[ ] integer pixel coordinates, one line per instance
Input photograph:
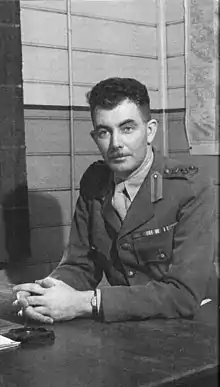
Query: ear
(151, 130)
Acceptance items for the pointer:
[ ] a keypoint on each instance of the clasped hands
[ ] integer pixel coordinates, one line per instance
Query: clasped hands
(50, 300)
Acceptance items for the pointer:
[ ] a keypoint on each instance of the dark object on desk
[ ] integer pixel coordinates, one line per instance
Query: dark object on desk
(31, 335)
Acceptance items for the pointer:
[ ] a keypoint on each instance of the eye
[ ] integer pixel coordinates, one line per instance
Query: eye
(102, 133)
(127, 129)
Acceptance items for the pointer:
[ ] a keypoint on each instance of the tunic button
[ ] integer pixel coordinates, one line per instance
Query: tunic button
(131, 273)
(126, 246)
(162, 255)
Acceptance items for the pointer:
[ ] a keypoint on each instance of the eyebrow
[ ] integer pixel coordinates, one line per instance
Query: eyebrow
(128, 121)
(125, 122)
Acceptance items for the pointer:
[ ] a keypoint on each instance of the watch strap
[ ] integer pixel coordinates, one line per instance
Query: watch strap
(94, 305)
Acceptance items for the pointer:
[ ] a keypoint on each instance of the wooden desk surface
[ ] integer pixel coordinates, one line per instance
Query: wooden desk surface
(133, 354)
(87, 353)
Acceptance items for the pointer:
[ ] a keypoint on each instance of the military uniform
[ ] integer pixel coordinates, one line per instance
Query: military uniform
(160, 260)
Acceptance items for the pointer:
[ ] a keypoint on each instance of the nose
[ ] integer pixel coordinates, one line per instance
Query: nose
(116, 141)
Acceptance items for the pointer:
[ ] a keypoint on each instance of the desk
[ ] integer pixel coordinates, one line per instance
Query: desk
(86, 353)
(133, 354)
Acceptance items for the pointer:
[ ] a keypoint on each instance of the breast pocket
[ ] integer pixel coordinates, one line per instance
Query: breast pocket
(154, 251)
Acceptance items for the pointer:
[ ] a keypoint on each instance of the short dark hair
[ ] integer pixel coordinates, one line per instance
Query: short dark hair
(110, 92)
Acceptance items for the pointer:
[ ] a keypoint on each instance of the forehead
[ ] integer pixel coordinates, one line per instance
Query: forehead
(126, 110)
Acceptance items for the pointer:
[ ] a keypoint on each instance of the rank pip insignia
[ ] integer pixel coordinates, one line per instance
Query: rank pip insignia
(181, 171)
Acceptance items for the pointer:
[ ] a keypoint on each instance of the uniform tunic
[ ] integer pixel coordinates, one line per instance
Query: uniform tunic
(160, 260)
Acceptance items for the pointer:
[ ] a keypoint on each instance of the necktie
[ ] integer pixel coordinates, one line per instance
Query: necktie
(119, 200)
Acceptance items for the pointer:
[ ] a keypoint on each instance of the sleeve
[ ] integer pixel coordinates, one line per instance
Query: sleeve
(183, 287)
(78, 267)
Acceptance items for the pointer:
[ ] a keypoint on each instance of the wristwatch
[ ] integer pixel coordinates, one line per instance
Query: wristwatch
(94, 305)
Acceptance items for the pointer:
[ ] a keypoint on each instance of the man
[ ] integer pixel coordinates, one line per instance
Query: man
(142, 219)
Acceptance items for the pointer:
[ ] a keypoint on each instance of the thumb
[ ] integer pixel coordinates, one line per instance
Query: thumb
(47, 282)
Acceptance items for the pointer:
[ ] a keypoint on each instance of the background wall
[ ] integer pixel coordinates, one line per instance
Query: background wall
(64, 54)
(67, 47)
(177, 137)
(178, 145)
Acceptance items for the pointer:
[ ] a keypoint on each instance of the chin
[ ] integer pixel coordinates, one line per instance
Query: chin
(123, 170)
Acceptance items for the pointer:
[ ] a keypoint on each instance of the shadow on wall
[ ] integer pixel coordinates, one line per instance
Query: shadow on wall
(31, 242)
(16, 230)
(47, 232)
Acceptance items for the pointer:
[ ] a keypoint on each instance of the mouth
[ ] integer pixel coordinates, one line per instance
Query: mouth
(118, 158)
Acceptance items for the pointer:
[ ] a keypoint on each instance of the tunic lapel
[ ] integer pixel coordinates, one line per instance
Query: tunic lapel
(107, 210)
(109, 213)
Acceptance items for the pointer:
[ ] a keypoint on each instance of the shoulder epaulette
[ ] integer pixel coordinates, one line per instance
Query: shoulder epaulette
(180, 172)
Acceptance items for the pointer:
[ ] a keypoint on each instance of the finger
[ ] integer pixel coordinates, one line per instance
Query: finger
(32, 288)
(20, 313)
(15, 303)
(42, 310)
(22, 294)
(35, 315)
(17, 289)
(36, 300)
(47, 282)
(21, 300)
(23, 303)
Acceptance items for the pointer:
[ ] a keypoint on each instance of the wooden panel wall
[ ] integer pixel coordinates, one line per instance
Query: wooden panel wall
(48, 169)
(114, 40)
(107, 39)
(175, 53)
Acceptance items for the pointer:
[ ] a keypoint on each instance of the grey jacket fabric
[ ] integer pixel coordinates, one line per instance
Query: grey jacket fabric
(160, 260)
